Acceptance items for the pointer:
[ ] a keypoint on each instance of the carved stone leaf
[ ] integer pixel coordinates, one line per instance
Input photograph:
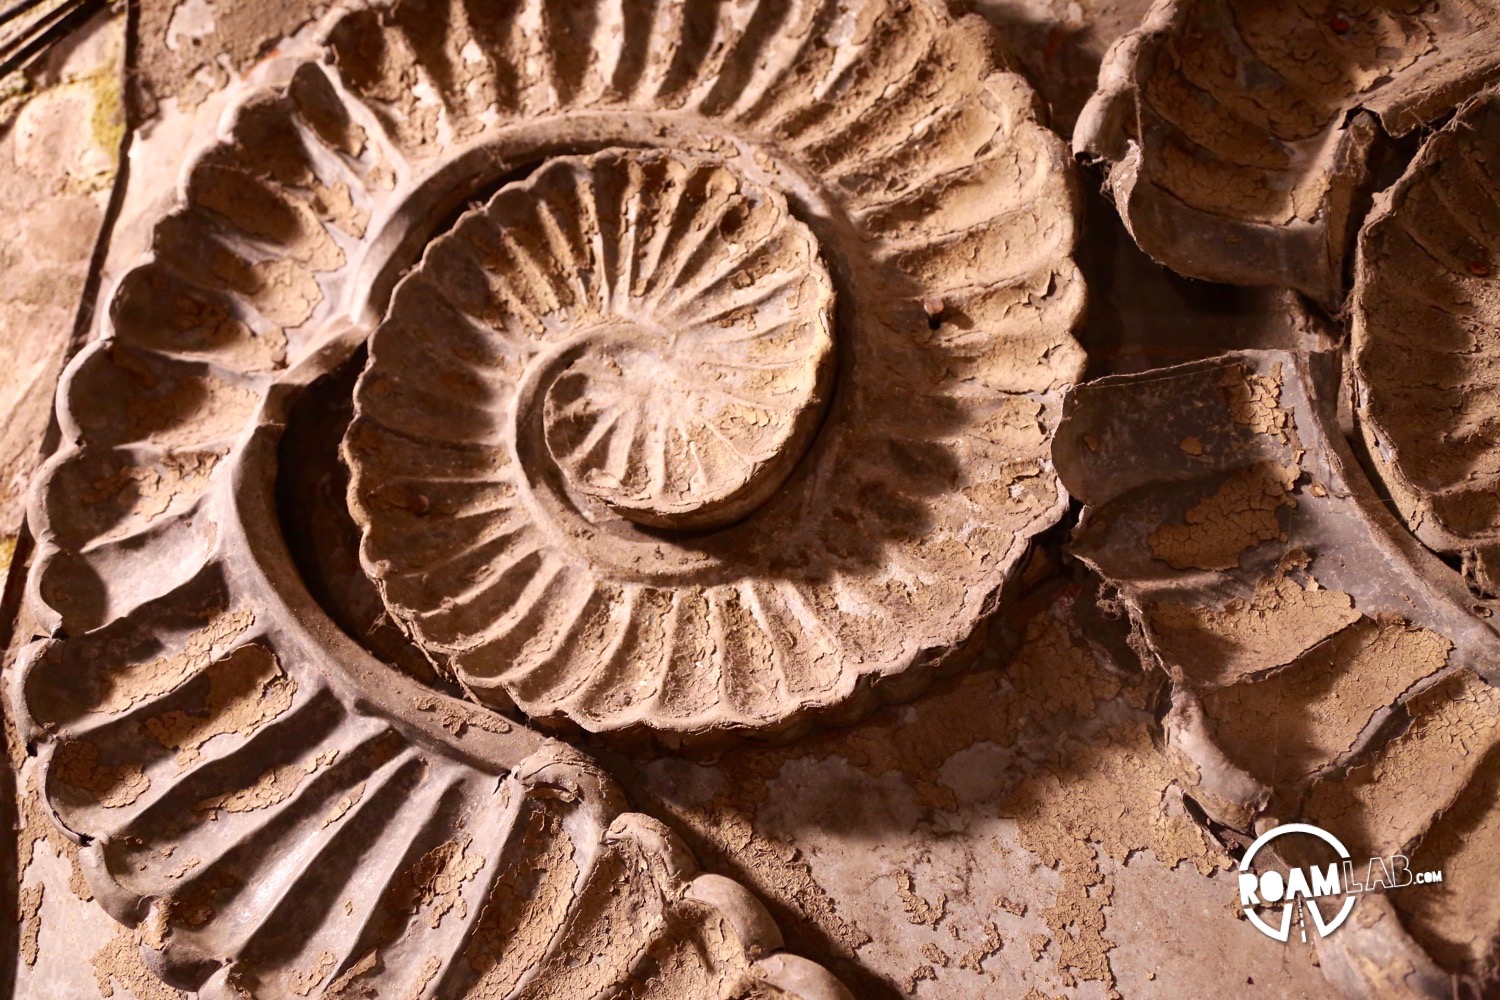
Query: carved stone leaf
(1323, 665)
(1236, 133)
(1425, 319)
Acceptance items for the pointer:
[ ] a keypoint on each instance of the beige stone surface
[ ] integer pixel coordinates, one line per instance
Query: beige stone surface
(1019, 829)
(59, 142)
(1014, 829)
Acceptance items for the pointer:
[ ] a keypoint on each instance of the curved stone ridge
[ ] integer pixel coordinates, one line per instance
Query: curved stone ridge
(1236, 133)
(272, 842)
(1426, 338)
(663, 326)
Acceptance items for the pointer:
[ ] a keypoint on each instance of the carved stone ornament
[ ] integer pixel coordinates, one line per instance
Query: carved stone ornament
(723, 433)
(1323, 665)
(1425, 335)
(715, 355)
(1237, 134)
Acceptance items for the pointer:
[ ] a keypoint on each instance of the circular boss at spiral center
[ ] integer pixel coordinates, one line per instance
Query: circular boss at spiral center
(692, 424)
(659, 324)
(690, 402)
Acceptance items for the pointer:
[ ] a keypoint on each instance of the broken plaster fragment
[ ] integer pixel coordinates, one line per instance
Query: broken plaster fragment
(77, 763)
(918, 909)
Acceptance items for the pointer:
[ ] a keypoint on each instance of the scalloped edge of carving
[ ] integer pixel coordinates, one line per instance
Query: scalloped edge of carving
(1308, 252)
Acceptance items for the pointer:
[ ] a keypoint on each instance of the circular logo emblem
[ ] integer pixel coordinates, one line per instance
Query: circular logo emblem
(1298, 887)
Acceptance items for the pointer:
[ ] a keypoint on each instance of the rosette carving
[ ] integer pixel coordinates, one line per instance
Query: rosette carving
(671, 366)
(729, 400)
(1237, 133)
(619, 459)
(1425, 320)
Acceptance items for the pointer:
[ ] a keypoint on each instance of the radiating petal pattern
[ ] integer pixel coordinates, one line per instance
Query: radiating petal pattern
(672, 372)
(727, 410)
(277, 831)
(858, 236)
(1425, 318)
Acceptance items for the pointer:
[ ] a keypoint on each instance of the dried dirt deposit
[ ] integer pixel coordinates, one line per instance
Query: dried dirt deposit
(701, 384)
(746, 553)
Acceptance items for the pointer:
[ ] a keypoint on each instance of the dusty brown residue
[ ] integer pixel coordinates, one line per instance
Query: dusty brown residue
(1458, 920)
(1306, 717)
(76, 763)
(275, 786)
(246, 690)
(127, 684)
(1102, 805)
(918, 909)
(1282, 621)
(144, 493)
(988, 945)
(345, 802)
(1238, 516)
(182, 40)
(36, 827)
(432, 887)
(1453, 727)
(303, 983)
(31, 921)
(519, 918)
(119, 963)
(182, 414)
(721, 834)
(1253, 400)
(1080, 802)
